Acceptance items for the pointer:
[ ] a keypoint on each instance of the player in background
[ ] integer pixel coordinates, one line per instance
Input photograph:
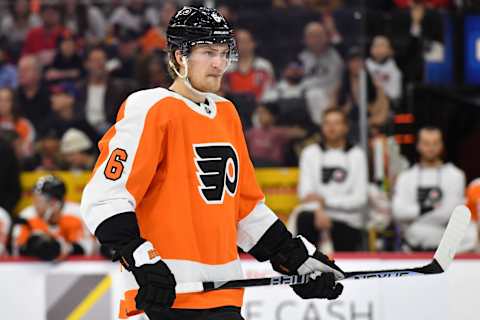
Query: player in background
(51, 228)
(174, 191)
(333, 187)
(426, 194)
(5, 222)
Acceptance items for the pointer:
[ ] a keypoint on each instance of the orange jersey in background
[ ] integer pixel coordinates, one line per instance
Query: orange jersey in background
(70, 227)
(473, 198)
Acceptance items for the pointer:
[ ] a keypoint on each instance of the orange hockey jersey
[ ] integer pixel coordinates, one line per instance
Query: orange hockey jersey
(184, 169)
(69, 227)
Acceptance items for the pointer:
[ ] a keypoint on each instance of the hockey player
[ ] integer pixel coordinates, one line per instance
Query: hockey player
(333, 186)
(51, 228)
(174, 191)
(426, 194)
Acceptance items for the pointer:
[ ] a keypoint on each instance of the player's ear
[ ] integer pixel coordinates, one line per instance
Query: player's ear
(178, 58)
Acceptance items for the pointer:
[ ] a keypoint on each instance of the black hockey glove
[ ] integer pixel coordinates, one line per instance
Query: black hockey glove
(298, 256)
(46, 248)
(323, 286)
(156, 281)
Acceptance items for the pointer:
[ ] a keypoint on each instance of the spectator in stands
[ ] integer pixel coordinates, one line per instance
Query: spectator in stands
(47, 155)
(348, 97)
(42, 41)
(383, 68)
(267, 142)
(292, 98)
(86, 21)
(8, 72)
(155, 38)
(76, 147)
(227, 12)
(65, 113)
(10, 119)
(333, 187)
(135, 16)
(5, 222)
(16, 23)
(426, 194)
(100, 95)
(33, 97)
(52, 228)
(125, 59)
(10, 189)
(251, 75)
(67, 64)
(418, 35)
(152, 71)
(323, 65)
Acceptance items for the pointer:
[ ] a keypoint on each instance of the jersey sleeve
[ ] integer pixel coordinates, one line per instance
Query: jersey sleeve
(405, 205)
(307, 181)
(254, 217)
(130, 152)
(75, 231)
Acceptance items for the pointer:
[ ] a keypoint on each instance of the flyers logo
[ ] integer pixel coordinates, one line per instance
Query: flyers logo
(217, 170)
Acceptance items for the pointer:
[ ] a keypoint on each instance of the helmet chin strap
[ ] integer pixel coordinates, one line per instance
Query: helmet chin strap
(184, 77)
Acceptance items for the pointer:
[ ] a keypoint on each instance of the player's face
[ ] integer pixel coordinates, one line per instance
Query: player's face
(430, 145)
(46, 208)
(334, 127)
(245, 43)
(380, 48)
(315, 37)
(206, 65)
(6, 101)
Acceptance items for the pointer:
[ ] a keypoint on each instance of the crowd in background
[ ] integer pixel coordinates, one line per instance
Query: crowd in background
(303, 70)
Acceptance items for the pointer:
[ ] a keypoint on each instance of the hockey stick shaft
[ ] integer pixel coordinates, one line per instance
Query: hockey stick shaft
(443, 257)
(302, 279)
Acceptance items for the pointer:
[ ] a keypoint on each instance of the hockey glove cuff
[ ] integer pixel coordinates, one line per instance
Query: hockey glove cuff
(156, 281)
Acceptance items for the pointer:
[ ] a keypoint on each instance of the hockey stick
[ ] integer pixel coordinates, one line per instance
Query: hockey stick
(457, 225)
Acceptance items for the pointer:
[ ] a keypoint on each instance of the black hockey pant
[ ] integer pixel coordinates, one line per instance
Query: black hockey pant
(222, 313)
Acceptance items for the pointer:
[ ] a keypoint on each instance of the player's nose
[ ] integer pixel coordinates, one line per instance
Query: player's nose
(218, 62)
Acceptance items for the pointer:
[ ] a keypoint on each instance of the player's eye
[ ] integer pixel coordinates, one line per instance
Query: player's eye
(210, 54)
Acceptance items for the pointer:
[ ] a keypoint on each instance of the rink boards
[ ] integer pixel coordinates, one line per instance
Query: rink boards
(90, 289)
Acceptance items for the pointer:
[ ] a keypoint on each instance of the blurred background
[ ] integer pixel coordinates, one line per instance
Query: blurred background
(351, 108)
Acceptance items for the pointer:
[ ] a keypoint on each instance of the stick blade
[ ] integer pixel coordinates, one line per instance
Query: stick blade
(456, 228)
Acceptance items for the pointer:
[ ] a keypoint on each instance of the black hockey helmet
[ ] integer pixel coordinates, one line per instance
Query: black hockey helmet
(50, 186)
(199, 25)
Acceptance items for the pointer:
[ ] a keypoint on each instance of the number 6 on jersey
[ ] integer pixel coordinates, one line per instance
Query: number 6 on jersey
(114, 168)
